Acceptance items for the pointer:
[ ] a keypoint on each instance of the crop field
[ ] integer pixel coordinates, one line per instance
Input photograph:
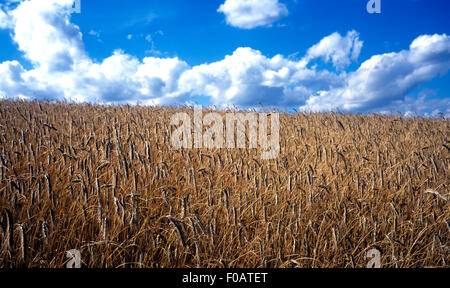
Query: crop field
(105, 180)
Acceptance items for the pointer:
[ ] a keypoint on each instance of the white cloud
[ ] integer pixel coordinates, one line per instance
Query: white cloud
(247, 76)
(386, 78)
(5, 20)
(425, 104)
(94, 33)
(42, 31)
(61, 69)
(248, 14)
(341, 51)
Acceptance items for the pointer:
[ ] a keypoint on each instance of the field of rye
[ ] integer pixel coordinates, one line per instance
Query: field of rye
(107, 182)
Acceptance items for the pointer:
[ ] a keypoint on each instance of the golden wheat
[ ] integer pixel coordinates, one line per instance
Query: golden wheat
(106, 181)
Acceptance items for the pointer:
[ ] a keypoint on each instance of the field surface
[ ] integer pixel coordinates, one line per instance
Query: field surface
(107, 182)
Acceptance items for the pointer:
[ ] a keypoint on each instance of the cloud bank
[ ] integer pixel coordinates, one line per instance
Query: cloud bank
(389, 77)
(61, 69)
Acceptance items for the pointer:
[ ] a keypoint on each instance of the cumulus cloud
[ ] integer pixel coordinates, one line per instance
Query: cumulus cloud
(341, 51)
(42, 31)
(425, 104)
(386, 78)
(247, 76)
(248, 14)
(61, 69)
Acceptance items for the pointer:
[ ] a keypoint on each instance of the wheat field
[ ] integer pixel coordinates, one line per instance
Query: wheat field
(105, 180)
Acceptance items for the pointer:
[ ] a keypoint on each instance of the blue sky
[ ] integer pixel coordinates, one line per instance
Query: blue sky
(306, 54)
